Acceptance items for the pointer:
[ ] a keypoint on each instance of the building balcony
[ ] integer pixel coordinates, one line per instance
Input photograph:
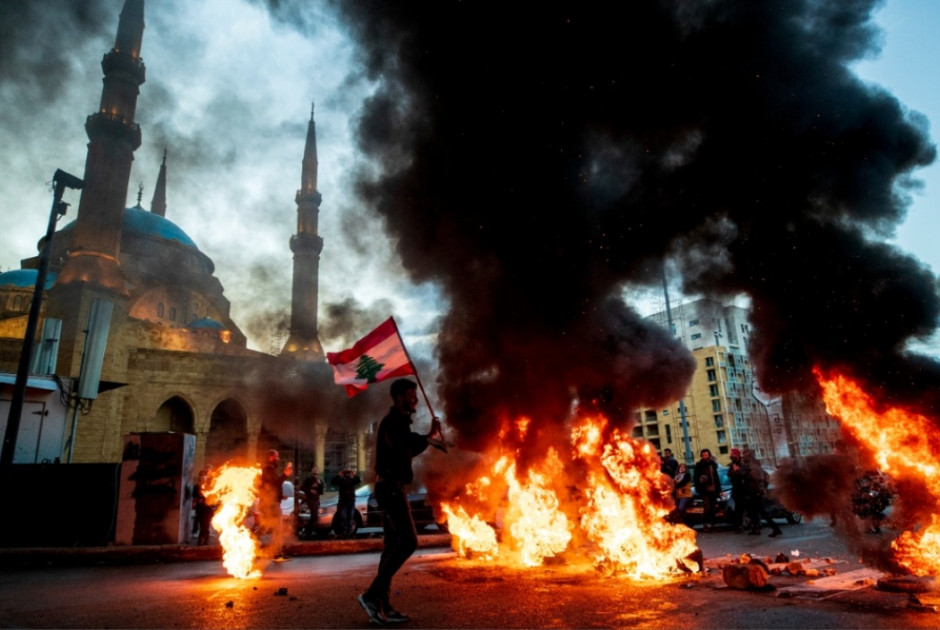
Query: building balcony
(115, 62)
(104, 125)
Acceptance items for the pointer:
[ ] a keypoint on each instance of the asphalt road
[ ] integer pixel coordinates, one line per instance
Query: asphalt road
(440, 590)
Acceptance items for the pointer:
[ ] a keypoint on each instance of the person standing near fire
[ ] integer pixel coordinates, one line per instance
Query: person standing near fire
(204, 511)
(346, 483)
(737, 476)
(312, 488)
(396, 444)
(756, 481)
(270, 494)
(705, 478)
(683, 493)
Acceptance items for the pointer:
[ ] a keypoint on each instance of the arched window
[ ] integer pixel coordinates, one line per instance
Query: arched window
(18, 303)
(183, 314)
(172, 313)
(160, 310)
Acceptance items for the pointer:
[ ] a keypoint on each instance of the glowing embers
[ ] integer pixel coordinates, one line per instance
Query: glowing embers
(608, 503)
(905, 446)
(234, 489)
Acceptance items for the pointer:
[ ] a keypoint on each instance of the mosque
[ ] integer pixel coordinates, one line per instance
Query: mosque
(174, 360)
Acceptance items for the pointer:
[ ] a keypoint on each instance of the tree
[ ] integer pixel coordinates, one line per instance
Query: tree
(368, 367)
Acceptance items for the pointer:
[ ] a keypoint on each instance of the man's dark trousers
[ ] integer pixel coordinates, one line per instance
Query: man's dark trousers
(401, 537)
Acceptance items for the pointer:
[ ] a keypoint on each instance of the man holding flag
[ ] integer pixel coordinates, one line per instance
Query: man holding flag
(378, 356)
(396, 444)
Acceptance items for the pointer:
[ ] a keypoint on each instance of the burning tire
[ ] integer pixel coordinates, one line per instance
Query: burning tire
(906, 584)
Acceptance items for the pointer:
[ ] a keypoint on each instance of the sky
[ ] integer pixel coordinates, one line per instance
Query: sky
(904, 66)
(228, 95)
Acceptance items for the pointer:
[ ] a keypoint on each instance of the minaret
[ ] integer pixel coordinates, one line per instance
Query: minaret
(113, 136)
(304, 343)
(158, 203)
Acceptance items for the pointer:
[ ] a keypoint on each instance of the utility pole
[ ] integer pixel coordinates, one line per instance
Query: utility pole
(683, 420)
(60, 181)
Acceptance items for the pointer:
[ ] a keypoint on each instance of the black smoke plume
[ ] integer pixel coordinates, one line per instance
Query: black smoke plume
(536, 159)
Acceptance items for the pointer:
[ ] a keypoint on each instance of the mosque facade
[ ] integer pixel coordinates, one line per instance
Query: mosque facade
(174, 360)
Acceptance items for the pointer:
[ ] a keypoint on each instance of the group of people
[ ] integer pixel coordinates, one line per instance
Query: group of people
(749, 483)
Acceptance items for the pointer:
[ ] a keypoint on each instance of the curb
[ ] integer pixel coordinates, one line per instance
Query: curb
(157, 554)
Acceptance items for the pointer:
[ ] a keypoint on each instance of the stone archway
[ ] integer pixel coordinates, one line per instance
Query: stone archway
(175, 415)
(228, 433)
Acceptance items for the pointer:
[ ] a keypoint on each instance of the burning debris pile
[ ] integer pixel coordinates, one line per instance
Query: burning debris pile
(603, 498)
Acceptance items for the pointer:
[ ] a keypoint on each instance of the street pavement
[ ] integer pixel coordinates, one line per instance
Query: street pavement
(182, 586)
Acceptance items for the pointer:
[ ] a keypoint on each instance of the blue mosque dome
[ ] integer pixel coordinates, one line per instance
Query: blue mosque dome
(206, 322)
(24, 278)
(140, 222)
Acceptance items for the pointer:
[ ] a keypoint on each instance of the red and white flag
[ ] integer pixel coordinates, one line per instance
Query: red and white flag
(376, 357)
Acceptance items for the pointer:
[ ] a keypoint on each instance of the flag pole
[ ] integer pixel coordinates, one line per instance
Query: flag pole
(427, 401)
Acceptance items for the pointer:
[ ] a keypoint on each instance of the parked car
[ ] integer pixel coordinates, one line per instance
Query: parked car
(694, 514)
(421, 511)
(326, 519)
(776, 511)
(774, 508)
(725, 509)
(367, 512)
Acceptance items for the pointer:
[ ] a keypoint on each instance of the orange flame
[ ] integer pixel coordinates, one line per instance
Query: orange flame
(234, 490)
(538, 527)
(621, 507)
(627, 505)
(471, 536)
(904, 445)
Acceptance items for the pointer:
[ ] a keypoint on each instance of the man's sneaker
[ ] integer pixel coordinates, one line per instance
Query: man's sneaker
(372, 609)
(393, 616)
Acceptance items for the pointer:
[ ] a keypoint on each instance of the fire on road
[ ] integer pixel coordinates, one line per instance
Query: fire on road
(441, 590)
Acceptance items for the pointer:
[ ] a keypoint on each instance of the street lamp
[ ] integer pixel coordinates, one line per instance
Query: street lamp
(60, 181)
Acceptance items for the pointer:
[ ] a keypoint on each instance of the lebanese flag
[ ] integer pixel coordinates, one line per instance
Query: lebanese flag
(376, 357)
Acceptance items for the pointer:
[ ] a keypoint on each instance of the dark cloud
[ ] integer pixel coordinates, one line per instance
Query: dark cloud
(536, 160)
(33, 34)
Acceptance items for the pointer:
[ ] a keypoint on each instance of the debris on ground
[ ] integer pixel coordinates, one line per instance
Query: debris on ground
(750, 575)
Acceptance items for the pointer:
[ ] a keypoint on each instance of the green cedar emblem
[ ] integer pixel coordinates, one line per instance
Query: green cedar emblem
(368, 368)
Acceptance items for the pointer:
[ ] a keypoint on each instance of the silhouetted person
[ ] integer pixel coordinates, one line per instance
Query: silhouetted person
(346, 483)
(707, 485)
(204, 511)
(270, 494)
(312, 487)
(755, 487)
(737, 477)
(396, 444)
